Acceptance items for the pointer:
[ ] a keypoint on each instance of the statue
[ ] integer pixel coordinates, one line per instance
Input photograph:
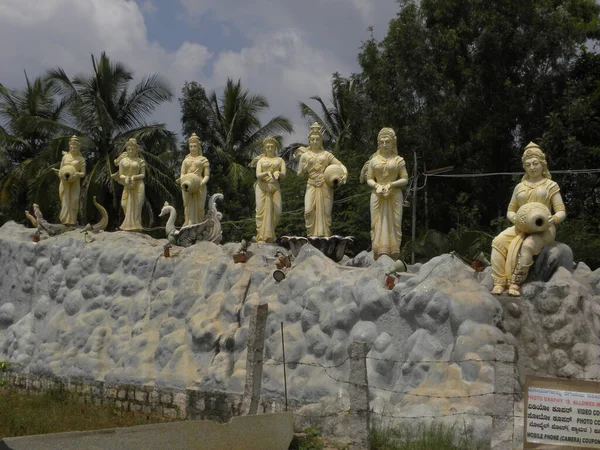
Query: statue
(72, 170)
(195, 173)
(132, 171)
(386, 174)
(269, 170)
(325, 173)
(534, 226)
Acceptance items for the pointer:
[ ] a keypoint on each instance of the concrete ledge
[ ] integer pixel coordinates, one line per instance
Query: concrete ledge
(256, 432)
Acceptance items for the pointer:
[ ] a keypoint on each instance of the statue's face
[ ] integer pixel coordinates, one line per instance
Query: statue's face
(385, 142)
(314, 142)
(270, 149)
(73, 147)
(194, 147)
(132, 150)
(533, 167)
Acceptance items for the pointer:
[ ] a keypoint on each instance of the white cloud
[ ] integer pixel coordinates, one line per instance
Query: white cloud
(65, 33)
(149, 7)
(293, 47)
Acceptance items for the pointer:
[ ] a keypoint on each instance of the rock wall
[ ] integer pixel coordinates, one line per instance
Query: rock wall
(117, 311)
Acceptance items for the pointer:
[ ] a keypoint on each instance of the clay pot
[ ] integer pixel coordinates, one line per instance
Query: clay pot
(532, 218)
(390, 282)
(333, 175)
(66, 173)
(190, 183)
(241, 257)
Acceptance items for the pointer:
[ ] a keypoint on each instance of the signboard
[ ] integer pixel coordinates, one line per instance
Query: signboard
(561, 412)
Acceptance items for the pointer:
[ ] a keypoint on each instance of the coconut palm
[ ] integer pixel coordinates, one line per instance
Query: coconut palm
(333, 119)
(237, 133)
(104, 113)
(24, 151)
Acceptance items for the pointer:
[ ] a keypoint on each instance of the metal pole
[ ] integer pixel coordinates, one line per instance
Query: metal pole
(414, 207)
(284, 374)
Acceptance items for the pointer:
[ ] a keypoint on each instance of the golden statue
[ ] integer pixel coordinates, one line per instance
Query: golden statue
(195, 172)
(386, 174)
(324, 172)
(132, 171)
(534, 225)
(270, 169)
(72, 170)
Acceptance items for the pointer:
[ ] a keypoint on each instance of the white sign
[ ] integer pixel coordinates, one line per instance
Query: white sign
(562, 417)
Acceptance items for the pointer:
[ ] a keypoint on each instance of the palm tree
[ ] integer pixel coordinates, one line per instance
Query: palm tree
(237, 133)
(23, 151)
(333, 119)
(104, 113)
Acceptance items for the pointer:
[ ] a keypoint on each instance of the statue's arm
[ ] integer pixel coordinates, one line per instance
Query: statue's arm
(560, 212)
(122, 176)
(403, 179)
(282, 169)
(142, 174)
(302, 166)
(206, 174)
(513, 206)
(81, 173)
(370, 177)
(259, 172)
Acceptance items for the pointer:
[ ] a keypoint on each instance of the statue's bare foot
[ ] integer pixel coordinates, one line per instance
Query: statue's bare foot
(514, 290)
(498, 289)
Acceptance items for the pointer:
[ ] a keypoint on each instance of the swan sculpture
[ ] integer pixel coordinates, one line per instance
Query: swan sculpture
(207, 230)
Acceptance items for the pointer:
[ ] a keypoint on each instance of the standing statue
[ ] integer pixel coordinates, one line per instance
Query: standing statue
(324, 172)
(195, 172)
(534, 225)
(386, 175)
(132, 171)
(72, 170)
(269, 170)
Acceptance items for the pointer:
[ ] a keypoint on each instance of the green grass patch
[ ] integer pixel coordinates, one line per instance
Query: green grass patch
(435, 436)
(57, 412)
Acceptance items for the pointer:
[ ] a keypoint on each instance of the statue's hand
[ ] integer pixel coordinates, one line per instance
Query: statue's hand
(275, 175)
(551, 221)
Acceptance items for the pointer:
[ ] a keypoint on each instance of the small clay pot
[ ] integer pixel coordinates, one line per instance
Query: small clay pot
(240, 258)
(390, 282)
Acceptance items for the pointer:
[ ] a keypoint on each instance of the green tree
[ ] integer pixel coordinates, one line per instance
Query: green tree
(232, 134)
(468, 83)
(104, 112)
(23, 150)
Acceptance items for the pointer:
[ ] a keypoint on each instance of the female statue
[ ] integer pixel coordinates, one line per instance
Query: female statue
(269, 170)
(72, 170)
(132, 171)
(386, 174)
(324, 173)
(195, 172)
(534, 225)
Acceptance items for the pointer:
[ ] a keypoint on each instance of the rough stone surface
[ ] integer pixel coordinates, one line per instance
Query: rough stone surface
(117, 311)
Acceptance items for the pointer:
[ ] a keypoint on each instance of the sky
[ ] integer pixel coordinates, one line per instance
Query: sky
(286, 50)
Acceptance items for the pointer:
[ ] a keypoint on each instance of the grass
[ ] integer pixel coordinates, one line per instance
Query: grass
(309, 440)
(56, 412)
(435, 436)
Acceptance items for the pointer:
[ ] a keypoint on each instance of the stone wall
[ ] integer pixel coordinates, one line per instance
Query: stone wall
(161, 401)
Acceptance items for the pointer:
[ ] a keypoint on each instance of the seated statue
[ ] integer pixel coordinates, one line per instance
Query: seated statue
(534, 225)
(324, 173)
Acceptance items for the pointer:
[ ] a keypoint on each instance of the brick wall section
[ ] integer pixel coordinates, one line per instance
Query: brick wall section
(162, 401)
